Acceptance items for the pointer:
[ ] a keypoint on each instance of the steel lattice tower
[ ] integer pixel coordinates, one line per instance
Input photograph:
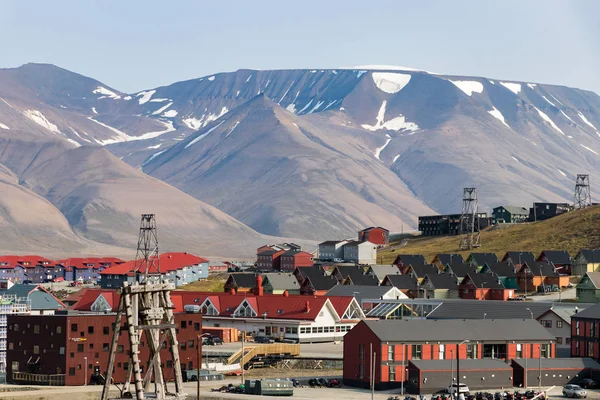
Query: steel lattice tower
(469, 221)
(583, 195)
(146, 258)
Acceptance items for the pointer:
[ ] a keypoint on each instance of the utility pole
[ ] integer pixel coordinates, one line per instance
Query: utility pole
(403, 369)
(243, 353)
(198, 364)
(458, 367)
(525, 377)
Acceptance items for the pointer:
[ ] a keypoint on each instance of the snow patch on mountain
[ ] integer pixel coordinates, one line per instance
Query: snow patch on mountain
(498, 115)
(248, 79)
(94, 110)
(360, 73)
(78, 135)
(306, 106)
(152, 157)
(513, 87)
(77, 144)
(286, 92)
(551, 103)
(151, 135)
(389, 68)
(562, 172)
(390, 82)
(202, 136)
(587, 148)
(127, 98)
(567, 117)
(232, 129)
(159, 100)
(2, 126)
(106, 93)
(121, 136)
(291, 108)
(380, 149)
(41, 120)
(548, 120)
(211, 78)
(316, 107)
(396, 158)
(398, 123)
(163, 108)
(468, 87)
(170, 114)
(531, 86)
(155, 146)
(195, 124)
(584, 119)
(145, 96)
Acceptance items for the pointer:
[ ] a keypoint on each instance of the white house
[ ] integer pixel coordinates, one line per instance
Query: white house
(360, 252)
(558, 322)
(331, 250)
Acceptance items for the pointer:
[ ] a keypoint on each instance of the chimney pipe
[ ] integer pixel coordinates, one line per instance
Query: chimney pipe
(286, 293)
(307, 307)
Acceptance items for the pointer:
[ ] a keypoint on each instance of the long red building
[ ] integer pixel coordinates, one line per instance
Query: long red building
(66, 348)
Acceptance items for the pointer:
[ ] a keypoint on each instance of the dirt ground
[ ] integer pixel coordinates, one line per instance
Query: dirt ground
(287, 373)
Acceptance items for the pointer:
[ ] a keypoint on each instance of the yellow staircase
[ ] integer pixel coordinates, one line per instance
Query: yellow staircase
(263, 350)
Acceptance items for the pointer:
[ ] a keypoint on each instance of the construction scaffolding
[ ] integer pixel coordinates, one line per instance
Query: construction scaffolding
(148, 311)
(583, 195)
(470, 237)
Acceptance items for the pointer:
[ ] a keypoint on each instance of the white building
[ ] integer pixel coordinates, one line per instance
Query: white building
(331, 250)
(360, 252)
(558, 322)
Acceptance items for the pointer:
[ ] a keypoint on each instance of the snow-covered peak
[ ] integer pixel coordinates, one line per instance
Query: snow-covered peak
(390, 82)
(373, 67)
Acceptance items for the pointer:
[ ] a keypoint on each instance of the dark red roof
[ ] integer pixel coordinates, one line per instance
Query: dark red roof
(24, 261)
(89, 262)
(168, 262)
(89, 297)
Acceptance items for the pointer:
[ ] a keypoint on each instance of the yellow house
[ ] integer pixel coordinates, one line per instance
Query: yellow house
(586, 261)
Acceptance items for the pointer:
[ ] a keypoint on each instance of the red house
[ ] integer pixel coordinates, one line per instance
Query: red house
(290, 260)
(476, 286)
(269, 259)
(396, 342)
(375, 234)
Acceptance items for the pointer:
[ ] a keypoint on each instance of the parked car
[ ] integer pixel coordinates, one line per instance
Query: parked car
(59, 279)
(216, 339)
(460, 388)
(574, 391)
(588, 383)
(262, 339)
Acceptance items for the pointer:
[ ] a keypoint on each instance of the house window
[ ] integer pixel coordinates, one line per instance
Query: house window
(191, 344)
(120, 348)
(592, 329)
(197, 326)
(36, 349)
(546, 323)
(545, 350)
(559, 324)
(442, 352)
(568, 340)
(361, 359)
(104, 346)
(71, 371)
(36, 329)
(183, 346)
(105, 330)
(73, 327)
(577, 328)
(391, 354)
(558, 340)
(80, 348)
(392, 373)
(519, 350)
(590, 349)
(417, 351)
(169, 363)
(90, 329)
(183, 324)
(472, 351)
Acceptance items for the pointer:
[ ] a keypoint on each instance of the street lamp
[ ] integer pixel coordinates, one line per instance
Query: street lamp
(530, 312)
(458, 367)
(85, 371)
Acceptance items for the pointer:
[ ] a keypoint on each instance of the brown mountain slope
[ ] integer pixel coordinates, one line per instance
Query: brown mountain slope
(572, 231)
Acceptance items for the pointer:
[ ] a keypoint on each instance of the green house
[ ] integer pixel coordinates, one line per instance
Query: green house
(506, 272)
(588, 288)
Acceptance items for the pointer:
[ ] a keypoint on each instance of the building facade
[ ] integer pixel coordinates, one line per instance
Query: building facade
(332, 250)
(290, 260)
(543, 211)
(435, 225)
(375, 234)
(360, 252)
(510, 215)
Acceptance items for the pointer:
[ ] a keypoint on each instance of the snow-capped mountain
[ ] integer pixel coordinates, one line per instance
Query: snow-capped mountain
(318, 153)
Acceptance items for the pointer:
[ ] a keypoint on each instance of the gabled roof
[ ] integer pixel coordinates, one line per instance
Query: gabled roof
(39, 297)
(460, 269)
(502, 269)
(269, 252)
(410, 259)
(476, 309)
(424, 269)
(556, 256)
(563, 313)
(360, 292)
(89, 262)
(295, 253)
(591, 256)
(441, 281)
(168, 262)
(515, 210)
(594, 277)
(281, 281)
(90, 295)
(482, 258)
(355, 243)
(519, 256)
(592, 312)
(403, 282)
(381, 271)
(318, 278)
(483, 281)
(373, 227)
(540, 269)
(243, 279)
(449, 258)
(24, 261)
(357, 275)
(483, 330)
(331, 242)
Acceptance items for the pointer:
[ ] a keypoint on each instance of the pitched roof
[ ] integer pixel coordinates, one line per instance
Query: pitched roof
(519, 256)
(23, 261)
(295, 253)
(482, 258)
(594, 277)
(360, 292)
(452, 330)
(410, 259)
(475, 309)
(319, 279)
(516, 210)
(89, 262)
(556, 256)
(465, 365)
(591, 256)
(425, 269)
(592, 312)
(449, 258)
(441, 281)
(39, 297)
(563, 313)
(90, 295)
(381, 271)
(373, 227)
(403, 282)
(331, 242)
(168, 262)
(460, 269)
(357, 275)
(486, 281)
(243, 279)
(502, 269)
(281, 281)
(541, 269)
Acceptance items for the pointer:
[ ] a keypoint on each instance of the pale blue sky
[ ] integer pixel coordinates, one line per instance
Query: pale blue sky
(132, 45)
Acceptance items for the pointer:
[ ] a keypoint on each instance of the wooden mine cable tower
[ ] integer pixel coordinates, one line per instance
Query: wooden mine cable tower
(148, 311)
(583, 195)
(470, 236)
